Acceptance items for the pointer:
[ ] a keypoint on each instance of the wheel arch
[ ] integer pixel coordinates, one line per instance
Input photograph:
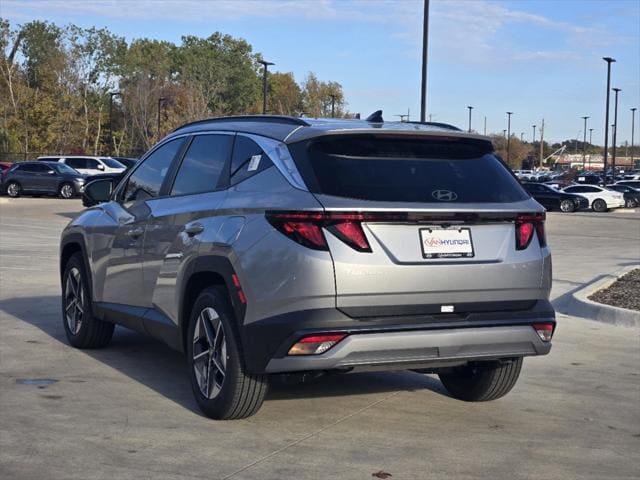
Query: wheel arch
(70, 245)
(208, 271)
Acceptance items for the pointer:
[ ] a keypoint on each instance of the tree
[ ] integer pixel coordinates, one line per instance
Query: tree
(285, 96)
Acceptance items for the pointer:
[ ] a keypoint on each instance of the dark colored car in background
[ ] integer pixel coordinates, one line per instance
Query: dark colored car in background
(42, 178)
(553, 199)
(631, 195)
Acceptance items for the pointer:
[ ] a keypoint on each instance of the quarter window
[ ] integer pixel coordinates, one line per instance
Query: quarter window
(146, 180)
(203, 165)
(76, 162)
(248, 159)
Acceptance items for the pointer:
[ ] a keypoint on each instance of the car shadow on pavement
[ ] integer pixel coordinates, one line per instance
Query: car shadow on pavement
(162, 369)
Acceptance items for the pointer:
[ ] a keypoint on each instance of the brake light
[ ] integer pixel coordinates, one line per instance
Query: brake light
(315, 344)
(306, 228)
(525, 226)
(544, 330)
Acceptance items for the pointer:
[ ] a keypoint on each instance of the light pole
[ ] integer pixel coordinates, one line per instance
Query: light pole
(533, 144)
(522, 137)
(504, 134)
(485, 125)
(615, 131)
(470, 108)
(111, 95)
(509, 136)
(609, 61)
(584, 142)
(265, 64)
(633, 127)
(591, 136)
(425, 44)
(160, 101)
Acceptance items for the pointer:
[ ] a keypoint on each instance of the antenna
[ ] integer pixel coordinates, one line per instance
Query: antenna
(375, 117)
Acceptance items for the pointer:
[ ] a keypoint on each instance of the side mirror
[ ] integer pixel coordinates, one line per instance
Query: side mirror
(100, 166)
(97, 191)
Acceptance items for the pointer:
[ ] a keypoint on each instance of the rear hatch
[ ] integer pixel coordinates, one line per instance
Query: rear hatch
(423, 225)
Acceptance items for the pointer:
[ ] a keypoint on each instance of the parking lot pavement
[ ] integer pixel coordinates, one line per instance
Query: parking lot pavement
(127, 411)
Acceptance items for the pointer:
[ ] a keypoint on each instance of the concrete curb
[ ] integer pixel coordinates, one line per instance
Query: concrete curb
(580, 305)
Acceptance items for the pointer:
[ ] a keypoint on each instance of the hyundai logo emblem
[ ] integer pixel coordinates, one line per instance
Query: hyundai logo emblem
(444, 195)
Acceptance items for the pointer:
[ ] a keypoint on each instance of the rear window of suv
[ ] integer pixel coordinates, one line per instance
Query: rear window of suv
(397, 169)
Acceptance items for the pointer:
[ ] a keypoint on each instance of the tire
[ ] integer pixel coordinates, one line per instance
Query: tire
(83, 330)
(599, 205)
(482, 382)
(14, 189)
(630, 203)
(222, 387)
(567, 206)
(67, 191)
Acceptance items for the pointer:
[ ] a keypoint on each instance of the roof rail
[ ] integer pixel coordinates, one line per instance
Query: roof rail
(446, 126)
(250, 118)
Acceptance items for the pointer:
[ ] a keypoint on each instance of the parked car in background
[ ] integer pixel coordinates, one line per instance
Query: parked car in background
(88, 165)
(631, 195)
(263, 245)
(553, 199)
(633, 175)
(127, 161)
(588, 179)
(5, 166)
(635, 184)
(600, 199)
(42, 178)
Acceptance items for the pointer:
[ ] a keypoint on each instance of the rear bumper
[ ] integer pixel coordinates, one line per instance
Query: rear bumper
(393, 341)
(419, 348)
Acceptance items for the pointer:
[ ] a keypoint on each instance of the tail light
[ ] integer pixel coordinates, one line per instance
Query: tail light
(544, 330)
(525, 226)
(315, 344)
(306, 228)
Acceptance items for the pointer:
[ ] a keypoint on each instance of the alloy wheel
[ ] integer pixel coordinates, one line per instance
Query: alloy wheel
(74, 301)
(566, 206)
(13, 190)
(66, 191)
(209, 353)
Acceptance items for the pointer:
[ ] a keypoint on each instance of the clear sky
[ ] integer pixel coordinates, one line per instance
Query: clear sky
(537, 58)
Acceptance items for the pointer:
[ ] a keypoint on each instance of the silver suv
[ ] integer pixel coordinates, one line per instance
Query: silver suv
(263, 245)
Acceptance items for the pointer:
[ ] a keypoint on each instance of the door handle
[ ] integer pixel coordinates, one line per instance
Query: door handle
(195, 229)
(135, 232)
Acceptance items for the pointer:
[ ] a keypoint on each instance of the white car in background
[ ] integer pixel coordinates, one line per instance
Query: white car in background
(88, 165)
(600, 199)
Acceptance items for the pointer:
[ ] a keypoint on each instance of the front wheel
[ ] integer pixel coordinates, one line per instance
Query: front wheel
(483, 381)
(83, 330)
(599, 205)
(629, 203)
(567, 206)
(222, 387)
(67, 191)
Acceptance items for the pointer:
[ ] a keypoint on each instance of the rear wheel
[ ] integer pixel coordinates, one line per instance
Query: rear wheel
(66, 190)
(599, 205)
(567, 206)
(482, 382)
(222, 387)
(13, 189)
(629, 203)
(83, 330)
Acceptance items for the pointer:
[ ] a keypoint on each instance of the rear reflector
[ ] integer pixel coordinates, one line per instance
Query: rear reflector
(544, 330)
(315, 344)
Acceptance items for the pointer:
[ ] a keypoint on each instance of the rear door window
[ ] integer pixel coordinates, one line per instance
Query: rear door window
(406, 169)
(203, 165)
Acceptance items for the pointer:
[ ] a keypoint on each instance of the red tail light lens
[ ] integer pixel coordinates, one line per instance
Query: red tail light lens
(305, 228)
(315, 344)
(351, 233)
(525, 226)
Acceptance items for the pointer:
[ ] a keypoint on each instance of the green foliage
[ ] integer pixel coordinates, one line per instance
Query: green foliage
(55, 86)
